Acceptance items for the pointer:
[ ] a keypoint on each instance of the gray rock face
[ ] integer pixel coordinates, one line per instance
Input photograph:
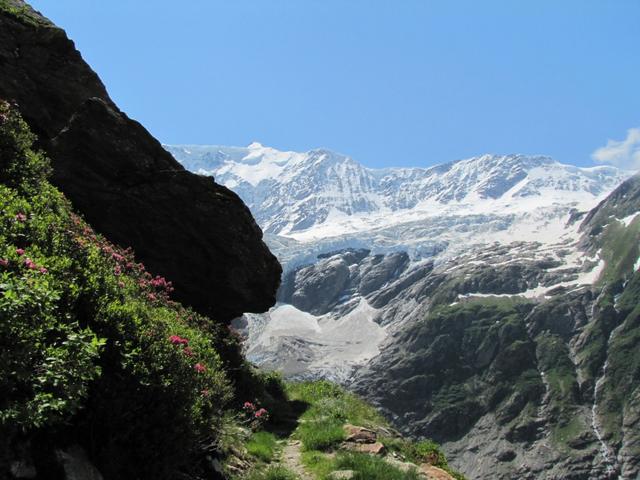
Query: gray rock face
(320, 287)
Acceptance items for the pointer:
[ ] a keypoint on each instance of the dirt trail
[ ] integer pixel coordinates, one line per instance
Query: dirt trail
(291, 460)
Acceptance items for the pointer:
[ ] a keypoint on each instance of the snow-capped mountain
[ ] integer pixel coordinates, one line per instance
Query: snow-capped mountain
(322, 200)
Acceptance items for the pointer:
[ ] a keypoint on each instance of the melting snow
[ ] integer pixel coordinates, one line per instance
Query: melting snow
(337, 344)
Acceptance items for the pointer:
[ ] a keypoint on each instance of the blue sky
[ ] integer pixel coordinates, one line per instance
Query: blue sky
(402, 82)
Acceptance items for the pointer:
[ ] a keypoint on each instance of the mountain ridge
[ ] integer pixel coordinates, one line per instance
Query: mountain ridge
(293, 193)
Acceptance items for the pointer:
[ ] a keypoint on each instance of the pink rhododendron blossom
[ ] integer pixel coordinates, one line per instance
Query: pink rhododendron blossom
(30, 264)
(249, 406)
(43, 270)
(261, 413)
(200, 368)
(21, 217)
(187, 351)
(20, 251)
(178, 340)
(4, 262)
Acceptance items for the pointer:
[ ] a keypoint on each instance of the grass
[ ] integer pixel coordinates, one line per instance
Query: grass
(263, 445)
(330, 407)
(321, 435)
(318, 463)
(276, 472)
(562, 434)
(367, 467)
(424, 451)
(619, 250)
(420, 452)
(329, 400)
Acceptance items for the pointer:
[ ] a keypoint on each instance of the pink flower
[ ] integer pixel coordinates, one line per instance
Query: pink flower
(20, 251)
(21, 217)
(31, 265)
(200, 368)
(260, 413)
(43, 270)
(249, 406)
(4, 262)
(187, 351)
(152, 297)
(178, 340)
(117, 270)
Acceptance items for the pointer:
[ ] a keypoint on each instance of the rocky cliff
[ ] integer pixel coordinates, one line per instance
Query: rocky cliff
(182, 226)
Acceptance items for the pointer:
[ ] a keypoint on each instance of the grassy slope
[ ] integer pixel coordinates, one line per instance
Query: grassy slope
(322, 408)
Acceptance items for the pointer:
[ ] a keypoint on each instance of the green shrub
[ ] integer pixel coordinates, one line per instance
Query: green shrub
(21, 167)
(262, 445)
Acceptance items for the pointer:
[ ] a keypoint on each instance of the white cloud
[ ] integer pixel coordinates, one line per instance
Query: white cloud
(624, 154)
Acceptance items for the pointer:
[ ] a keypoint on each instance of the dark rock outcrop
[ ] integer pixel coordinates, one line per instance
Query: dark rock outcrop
(187, 228)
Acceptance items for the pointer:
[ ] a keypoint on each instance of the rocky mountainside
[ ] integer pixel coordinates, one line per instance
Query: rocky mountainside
(476, 302)
(518, 362)
(182, 226)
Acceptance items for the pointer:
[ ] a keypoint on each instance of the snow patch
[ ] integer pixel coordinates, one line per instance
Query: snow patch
(628, 219)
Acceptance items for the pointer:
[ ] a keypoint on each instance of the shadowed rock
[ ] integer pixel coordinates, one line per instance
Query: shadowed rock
(185, 227)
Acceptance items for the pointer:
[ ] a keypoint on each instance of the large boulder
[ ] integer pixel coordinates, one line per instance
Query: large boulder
(185, 227)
